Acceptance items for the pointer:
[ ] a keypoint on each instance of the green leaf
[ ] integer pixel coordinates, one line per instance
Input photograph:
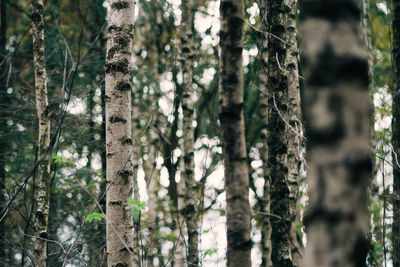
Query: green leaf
(94, 216)
(210, 252)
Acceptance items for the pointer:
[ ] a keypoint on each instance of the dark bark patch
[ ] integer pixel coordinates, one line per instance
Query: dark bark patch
(333, 69)
(360, 168)
(36, 17)
(127, 141)
(115, 203)
(124, 86)
(121, 264)
(121, 66)
(43, 235)
(231, 113)
(360, 251)
(237, 241)
(120, 5)
(227, 8)
(321, 213)
(114, 119)
(127, 249)
(331, 10)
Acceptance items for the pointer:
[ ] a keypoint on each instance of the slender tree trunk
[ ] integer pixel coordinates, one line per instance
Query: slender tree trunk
(3, 124)
(233, 135)
(294, 131)
(279, 138)
(336, 107)
(396, 135)
(266, 198)
(118, 133)
(190, 210)
(42, 106)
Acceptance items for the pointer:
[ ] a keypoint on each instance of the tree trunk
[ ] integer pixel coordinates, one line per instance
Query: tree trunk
(190, 210)
(336, 114)
(396, 135)
(233, 135)
(42, 106)
(279, 138)
(3, 124)
(118, 133)
(263, 85)
(294, 131)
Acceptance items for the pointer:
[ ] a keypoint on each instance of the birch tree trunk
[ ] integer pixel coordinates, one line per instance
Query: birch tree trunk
(42, 106)
(294, 130)
(396, 134)
(190, 210)
(279, 138)
(263, 85)
(118, 133)
(233, 135)
(336, 107)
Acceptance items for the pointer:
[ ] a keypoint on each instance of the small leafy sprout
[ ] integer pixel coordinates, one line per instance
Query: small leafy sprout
(94, 216)
(136, 206)
(210, 252)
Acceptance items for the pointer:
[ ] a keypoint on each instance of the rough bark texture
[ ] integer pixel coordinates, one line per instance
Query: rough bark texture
(263, 85)
(278, 164)
(396, 135)
(233, 136)
(118, 133)
(42, 106)
(336, 107)
(3, 101)
(190, 210)
(294, 130)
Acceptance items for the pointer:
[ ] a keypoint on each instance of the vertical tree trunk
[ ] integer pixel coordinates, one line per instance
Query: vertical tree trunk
(396, 135)
(42, 106)
(336, 107)
(279, 161)
(190, 210)
(3, 101)
(233, 135)
(294, 130)
(263, 85)
(118, 133)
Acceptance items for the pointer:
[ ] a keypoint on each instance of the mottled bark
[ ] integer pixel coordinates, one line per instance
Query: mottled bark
(396, 134)
(190, 210)
(336, 107)
(263, 85)
(294, 130)
(279, 132)
(3, 124)
(118, 133)
(42, 106)
(233, 134)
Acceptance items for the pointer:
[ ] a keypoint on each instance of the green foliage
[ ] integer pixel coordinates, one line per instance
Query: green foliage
(135, 206)
(210, 252)
(94, 216)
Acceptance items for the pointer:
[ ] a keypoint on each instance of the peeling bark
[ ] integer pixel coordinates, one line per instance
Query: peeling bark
(42, 106)
(233, 135)
(337, 124)
(118, 133)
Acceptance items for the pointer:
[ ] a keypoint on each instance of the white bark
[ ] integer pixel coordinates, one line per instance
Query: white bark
(118, 133)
